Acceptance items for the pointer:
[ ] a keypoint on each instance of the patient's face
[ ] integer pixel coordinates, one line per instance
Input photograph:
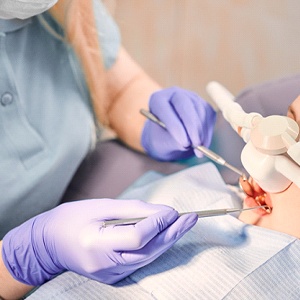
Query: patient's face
(294, 110)
(285, 215)
(293, 113)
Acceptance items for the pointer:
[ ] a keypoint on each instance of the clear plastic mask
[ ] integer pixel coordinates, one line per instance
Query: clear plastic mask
(23, 9)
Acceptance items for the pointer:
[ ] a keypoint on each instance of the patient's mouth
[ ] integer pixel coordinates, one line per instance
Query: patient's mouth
(263, 199)
(255, 196)
(268, 202)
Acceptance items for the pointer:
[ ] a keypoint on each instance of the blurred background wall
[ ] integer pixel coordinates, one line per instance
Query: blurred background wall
(190, 42)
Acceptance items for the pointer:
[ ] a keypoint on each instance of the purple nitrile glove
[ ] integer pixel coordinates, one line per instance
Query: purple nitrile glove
(189, 121)
(71, 237)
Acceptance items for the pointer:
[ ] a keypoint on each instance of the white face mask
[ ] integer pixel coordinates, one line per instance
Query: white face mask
(23, 9)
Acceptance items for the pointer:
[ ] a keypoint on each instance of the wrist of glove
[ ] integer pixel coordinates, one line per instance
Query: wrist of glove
(189, 122)
(71, 237)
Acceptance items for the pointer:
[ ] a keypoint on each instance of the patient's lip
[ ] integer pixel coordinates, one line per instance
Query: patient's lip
(246, 187)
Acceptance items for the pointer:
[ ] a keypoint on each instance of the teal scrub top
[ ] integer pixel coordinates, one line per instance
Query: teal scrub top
(46, 120)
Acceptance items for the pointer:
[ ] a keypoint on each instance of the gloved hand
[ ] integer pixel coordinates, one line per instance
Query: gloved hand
(71, 237)
(189, 121)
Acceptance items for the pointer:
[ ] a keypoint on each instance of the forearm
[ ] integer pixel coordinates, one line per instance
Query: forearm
(129, 89)
(9, 287)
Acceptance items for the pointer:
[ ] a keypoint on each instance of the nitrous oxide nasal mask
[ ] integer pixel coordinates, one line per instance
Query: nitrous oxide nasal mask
(271, 155)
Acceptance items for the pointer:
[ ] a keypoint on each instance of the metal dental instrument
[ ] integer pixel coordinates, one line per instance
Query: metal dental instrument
(207, 152)
(201, 214)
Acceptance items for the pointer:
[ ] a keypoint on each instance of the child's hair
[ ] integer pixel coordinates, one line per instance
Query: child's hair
(80, 27)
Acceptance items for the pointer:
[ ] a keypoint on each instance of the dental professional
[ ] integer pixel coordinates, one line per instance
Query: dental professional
(63, 73)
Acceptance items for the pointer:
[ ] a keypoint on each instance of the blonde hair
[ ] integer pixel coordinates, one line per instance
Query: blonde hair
(78, 20)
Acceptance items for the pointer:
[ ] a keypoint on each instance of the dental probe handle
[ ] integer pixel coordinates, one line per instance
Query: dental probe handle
(218, 159)
(207, 152)
(152, 117)
(201, 214)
